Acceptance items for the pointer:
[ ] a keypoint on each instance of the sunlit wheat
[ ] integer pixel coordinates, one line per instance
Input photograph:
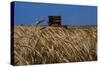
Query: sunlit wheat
(43, 45)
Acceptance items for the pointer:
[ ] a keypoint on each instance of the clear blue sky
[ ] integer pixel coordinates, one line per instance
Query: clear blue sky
(26, 12)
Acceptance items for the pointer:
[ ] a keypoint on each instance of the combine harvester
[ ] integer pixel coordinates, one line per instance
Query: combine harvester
(53, 21)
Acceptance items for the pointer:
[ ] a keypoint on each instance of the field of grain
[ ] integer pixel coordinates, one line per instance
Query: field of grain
(45, 45)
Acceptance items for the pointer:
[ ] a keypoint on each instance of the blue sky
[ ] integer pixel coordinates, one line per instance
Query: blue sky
(26, 12)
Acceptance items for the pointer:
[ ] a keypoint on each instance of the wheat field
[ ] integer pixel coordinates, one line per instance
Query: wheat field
(46, 45)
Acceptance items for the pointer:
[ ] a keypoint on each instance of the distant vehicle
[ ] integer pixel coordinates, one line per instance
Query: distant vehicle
(54, 21)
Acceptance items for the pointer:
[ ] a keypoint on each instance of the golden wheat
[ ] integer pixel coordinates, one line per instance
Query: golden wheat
(43, 45)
